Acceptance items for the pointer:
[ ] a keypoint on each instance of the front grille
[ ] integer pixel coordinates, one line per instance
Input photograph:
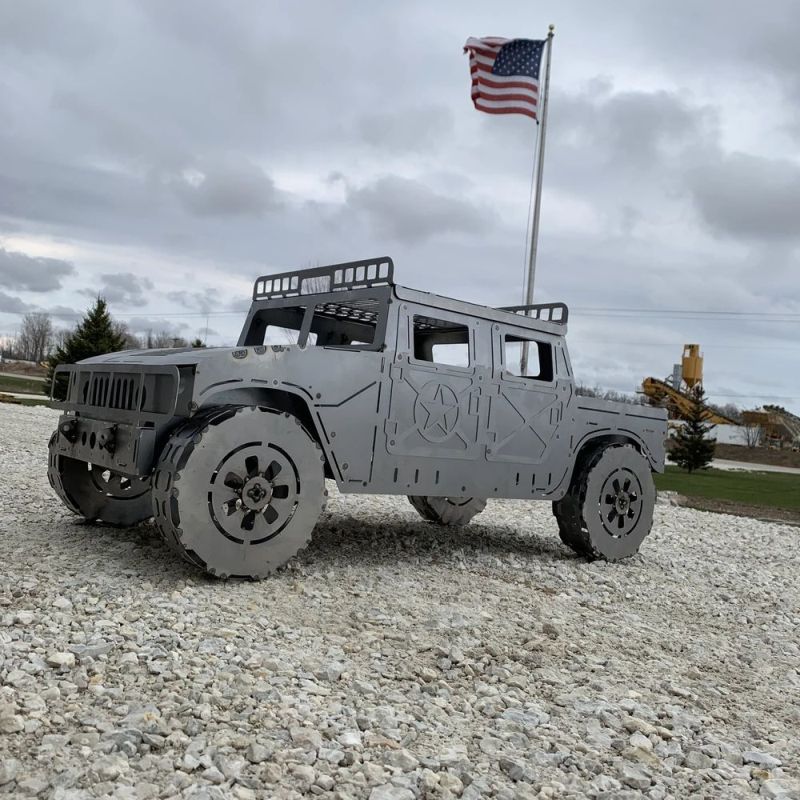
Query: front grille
(119, 392)
(122, 390)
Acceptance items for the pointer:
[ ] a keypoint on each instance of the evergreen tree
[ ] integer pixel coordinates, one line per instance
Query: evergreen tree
(95, 335)
(692, 447)
(197, 343)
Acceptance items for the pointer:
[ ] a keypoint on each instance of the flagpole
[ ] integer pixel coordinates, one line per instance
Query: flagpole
(537, 204)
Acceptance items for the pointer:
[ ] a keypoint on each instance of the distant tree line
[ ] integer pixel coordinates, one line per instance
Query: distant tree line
(610, 394)
(37, 339)
(95, 335)
(730, 410)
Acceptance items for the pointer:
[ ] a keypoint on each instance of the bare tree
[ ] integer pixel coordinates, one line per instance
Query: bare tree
(751, 434)
(35, 337)
(609, 394)
(60, 336)
(132, 341)
(164, 340)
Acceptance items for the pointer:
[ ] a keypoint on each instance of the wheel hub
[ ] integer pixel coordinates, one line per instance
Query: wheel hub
(257, 493)
(254, 494)
(620, 502)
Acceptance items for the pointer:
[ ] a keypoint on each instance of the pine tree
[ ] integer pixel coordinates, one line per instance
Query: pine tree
(693, 448)
(95, 335)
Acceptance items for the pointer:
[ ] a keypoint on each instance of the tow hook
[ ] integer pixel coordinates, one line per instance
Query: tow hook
(69, 430)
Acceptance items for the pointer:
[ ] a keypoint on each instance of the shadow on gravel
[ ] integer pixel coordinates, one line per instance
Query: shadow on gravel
(401, 540)
(338, 539)
(133, 552)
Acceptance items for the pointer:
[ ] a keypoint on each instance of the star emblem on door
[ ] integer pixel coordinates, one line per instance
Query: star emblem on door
(436, 411)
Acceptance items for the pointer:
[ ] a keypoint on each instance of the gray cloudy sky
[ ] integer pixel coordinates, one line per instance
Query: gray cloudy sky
(165, 154)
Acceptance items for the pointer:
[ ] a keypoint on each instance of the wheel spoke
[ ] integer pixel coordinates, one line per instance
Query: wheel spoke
(233, 481)
(609, 499)
(272, 471)
(251, 464)
(612, 514)
(615, 484)
(248, 521)
(229, 507)
(270, 515)
(627, 485)
(621, 521)
(280, 492)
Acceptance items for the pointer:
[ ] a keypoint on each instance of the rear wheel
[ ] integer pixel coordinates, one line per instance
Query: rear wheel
(97, 493)
(608, 510)
(447, 510)
(238, 490)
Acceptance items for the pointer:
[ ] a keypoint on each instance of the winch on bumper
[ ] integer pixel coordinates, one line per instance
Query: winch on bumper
(117, 413)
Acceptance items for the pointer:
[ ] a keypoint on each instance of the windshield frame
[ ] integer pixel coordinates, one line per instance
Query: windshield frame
(258, 318)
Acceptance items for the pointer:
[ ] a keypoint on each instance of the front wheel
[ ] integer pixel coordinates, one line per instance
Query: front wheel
(608, 510)
(238, 490)
(97, 493)
(447, 510)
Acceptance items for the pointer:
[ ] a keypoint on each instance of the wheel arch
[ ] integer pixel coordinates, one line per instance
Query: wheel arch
(591, 443)
(285, 400)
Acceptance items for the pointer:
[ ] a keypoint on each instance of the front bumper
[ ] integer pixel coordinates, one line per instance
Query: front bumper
(118, 414)
(127, 449)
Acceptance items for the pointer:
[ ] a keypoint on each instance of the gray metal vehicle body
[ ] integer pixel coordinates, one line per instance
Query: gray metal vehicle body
(402, 391)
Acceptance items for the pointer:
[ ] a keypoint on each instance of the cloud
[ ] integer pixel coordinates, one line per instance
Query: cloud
(156, 325)
(415, 130)
(228, 188)
(194, 140)
(202, 300)
(748, 197)
(408, 210)
(37, 26)
(64, 312)
(13, 305)
(34, 274)
(122, 288)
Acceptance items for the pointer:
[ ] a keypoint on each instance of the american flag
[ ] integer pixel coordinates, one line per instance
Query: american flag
(505, 74)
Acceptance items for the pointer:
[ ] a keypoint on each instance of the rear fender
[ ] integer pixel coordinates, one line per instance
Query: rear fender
(586, 447)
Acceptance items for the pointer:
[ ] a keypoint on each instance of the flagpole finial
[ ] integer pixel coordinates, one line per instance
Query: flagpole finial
(552, 29)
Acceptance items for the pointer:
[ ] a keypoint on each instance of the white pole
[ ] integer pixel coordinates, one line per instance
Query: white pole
(537, 204)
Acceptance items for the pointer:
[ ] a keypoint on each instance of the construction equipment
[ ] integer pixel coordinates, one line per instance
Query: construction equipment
(675, 393)
(679, 404)
(691, 366)
(779, 427)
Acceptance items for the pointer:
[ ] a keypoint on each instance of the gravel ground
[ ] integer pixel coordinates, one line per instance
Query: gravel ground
(393, 659)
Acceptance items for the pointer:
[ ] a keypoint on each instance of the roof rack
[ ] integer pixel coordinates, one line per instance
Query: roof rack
(322, 280)
(546, 312)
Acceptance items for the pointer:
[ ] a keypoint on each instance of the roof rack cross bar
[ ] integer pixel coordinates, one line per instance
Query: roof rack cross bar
(322, 280)
(547, 312)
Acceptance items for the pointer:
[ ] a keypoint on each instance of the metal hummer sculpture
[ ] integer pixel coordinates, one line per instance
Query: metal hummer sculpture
(339, 373)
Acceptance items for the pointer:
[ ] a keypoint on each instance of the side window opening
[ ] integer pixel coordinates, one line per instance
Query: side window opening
(441, 341)
(540, 358)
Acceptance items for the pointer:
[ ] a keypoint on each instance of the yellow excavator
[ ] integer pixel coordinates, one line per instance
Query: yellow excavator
(674, 393)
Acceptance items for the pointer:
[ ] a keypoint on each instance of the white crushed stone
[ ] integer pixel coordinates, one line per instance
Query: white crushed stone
(393, 659)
